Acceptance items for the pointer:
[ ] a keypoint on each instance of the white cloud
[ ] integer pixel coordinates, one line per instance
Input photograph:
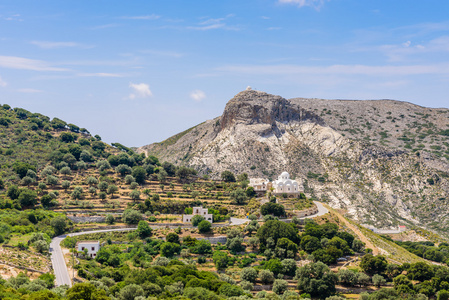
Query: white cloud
(99, 75)
(317, 4)
(214, 23)
(21, 63)
(146, 17)
(197, 95)
(54, 45)
(29, 91)
(15, 17)
(2, 83)
(139, 90)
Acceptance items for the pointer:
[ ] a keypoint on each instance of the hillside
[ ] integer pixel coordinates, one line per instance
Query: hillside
(383, 161)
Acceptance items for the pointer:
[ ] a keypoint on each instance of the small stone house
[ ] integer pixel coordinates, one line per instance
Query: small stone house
(91, 246)
(198, 210)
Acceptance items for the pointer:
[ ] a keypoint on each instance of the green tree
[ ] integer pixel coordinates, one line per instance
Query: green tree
(197, 219)
(131, 216)
(27, 197)
(266, 276)
(131, 292)
(134, 195)
(276, 230)
(85, 291)
(110, 219)
(227, 176)
(52, 180)
(316, 279)
(59, 224)
(129, 179)
(169, 249)
(112, 189)
(78, 193)
(139, 174)
(248, 274)
(221, 259)
(123, 169)
(65, 184)
(280, 286)
(373, 264)
(378, 280)
(172, 238)
(103, 186)
(274, 209)
(204, 226)
(239, 196)
(143, 229)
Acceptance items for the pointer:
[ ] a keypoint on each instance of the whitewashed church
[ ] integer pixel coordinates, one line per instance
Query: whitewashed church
(280, 186)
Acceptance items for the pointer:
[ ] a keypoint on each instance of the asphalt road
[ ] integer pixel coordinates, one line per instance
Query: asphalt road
(57, 258)
(60, 267)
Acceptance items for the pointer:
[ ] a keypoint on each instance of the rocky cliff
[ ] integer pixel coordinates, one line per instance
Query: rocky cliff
(383, 161)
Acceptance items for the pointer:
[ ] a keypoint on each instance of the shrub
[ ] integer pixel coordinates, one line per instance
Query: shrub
(204, 226)
(279, 286)
(110, 219)
(248, 274)
(197, 219)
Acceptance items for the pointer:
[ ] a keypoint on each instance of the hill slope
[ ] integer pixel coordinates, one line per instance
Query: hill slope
(384, 161)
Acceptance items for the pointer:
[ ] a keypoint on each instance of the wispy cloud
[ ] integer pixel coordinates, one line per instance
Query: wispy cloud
(197, 95)
(139, 90)
(15, 17)
(29, 91)
(54, 45)
(163, 53)
(104, 26)
(21, 63)
(99, 75)
(386, 70)
(214, 23)
(2, 83)
(317, 4)
(145, 17)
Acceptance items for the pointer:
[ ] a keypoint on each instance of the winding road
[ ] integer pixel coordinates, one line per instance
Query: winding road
(60, 267)
(57, 257)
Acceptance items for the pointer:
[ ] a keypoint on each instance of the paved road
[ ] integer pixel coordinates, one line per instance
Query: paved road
(57, 257)
(321, 210)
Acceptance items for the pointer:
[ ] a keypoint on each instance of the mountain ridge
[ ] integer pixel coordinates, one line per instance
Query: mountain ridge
(384, 161)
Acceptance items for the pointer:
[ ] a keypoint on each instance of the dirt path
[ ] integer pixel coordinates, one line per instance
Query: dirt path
(360, 235)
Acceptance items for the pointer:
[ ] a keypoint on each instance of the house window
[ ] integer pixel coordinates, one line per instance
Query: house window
(82, 248)
(93, 248)
(95, 254)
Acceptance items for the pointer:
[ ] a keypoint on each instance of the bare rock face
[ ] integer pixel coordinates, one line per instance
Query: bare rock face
(384, 162)
(254, 107)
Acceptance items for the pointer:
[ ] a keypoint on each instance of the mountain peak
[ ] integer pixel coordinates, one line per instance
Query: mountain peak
(252, 107)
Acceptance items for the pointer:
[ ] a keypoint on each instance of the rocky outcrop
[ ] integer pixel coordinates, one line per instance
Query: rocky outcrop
(382, 161)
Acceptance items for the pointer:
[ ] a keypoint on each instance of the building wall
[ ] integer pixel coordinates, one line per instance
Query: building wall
(92, 248)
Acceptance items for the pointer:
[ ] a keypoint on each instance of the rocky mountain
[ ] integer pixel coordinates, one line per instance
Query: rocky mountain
(384, 161)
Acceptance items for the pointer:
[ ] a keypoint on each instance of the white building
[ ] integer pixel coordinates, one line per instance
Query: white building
(285, 185)
(91, 246)
(260, 185)
(280, 186)
(199, 210)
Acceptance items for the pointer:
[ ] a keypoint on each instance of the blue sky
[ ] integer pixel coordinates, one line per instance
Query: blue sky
(137, 72)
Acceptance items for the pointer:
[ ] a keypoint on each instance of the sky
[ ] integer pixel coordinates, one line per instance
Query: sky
(138, 72)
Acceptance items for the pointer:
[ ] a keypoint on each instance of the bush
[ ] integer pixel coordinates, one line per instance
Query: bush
(204, 226)
(110, 219)
(197, 219)
(246, 285)
(131, 216)
(266, 276)
(248, 274)
(279, 286)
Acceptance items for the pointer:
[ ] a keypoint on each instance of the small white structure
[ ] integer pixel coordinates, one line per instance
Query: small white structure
(260, 185)
(280, 186)
(198, 210)
(285, 185)
(91, 246)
